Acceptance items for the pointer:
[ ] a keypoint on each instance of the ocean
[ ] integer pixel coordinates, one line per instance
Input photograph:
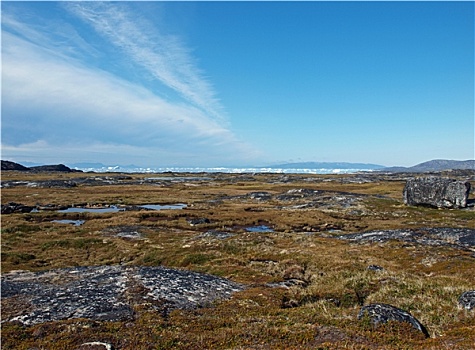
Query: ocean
(229, 170)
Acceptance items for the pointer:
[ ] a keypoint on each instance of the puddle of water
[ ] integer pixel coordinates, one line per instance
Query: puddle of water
(163, 207)
(112, 209)
(260, 228)
(71, 222)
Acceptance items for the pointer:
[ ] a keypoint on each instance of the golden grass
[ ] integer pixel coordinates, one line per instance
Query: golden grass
(319, 313)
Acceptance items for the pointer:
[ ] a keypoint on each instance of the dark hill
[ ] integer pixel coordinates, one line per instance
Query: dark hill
(327, 165)
(58, 167)
(7, 165)
(435, 165)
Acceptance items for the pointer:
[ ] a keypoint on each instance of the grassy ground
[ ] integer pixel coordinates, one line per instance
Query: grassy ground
(320, 313)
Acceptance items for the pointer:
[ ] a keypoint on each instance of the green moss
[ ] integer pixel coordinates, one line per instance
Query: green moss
(196, 259)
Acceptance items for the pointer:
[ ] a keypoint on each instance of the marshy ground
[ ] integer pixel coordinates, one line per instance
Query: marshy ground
(277, 235)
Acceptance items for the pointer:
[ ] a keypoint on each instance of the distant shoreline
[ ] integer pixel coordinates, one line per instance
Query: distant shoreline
(291, 168)
(228, 170)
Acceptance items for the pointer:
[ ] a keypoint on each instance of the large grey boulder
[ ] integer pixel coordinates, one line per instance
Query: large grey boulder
(382, 313)
(437, 192)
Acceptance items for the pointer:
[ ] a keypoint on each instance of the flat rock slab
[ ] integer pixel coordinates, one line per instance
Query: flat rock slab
(382, 313)
(462, 238)
(106, 293)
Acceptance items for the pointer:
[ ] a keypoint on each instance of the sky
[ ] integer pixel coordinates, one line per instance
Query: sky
(237, 83)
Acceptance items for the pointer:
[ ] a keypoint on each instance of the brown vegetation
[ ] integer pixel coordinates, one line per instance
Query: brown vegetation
(330, 279)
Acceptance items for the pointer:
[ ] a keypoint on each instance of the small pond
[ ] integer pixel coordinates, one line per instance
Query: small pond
(111, 209)
(71, 222)
(115, 209)
(259, 228)
(163, 206)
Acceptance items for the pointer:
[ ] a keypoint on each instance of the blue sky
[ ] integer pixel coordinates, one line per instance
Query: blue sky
(237, 83)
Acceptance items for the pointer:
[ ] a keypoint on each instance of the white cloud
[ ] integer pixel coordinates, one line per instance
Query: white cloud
(42, 151)
(53, 104)
(165, 57)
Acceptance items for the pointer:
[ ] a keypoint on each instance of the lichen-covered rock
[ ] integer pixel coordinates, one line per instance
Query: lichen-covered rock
(467, 300)
(437, 192)
(382, 313)
(459, 238)
(106, 293)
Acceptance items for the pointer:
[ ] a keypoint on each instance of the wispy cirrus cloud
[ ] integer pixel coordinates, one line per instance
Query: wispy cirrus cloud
(164, 56)
(56, 102)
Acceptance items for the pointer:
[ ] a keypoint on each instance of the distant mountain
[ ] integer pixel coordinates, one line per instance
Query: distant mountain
(327, 165)
(435, 165)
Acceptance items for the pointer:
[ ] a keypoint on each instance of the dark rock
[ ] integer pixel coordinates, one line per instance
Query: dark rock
(198, 221)
(437, 192)
(382, 313)
(7, 165)
(107, 293)
(467, 300)
(16, 208)
(52, 207)
(125, 232)
(375, 268)
(298, 193)
(40, 184)
(260, 196)
(461, 238)
(56, 184)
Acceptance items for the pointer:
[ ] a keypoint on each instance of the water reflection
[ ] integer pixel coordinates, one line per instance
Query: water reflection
(260, 228)
(111, 209)
(163, 206)
(71, 222)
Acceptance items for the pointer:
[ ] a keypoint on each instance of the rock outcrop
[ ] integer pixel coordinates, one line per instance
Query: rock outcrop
(13, 207)
(459, 238)
(436, 192)
(107, 293)
(382, 313)
(467, 300)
